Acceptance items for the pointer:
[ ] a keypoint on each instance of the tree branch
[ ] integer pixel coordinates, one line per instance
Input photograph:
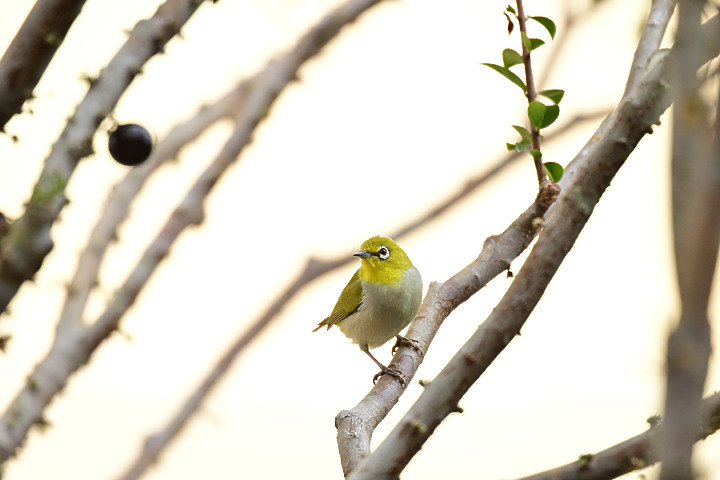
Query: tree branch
(661, 12)
(633, 454)
(696, 227)
(633, 118)
(25, 246)
(30, 52)
(531, 95)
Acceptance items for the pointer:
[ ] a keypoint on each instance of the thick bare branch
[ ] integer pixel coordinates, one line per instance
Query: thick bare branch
(660, 13)
(634, 117)
(633, 454)
(696, 227)
(31, 50)
(28, 242)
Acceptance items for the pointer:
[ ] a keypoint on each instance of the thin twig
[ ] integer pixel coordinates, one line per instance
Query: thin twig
(531, 94)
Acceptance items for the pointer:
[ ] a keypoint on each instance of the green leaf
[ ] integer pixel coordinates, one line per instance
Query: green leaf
(505, 72)
(542, 115)
(535, 43)
(554, 171)
(524, 134)
(554, 95)
(551, 114)
(530, 43)
(521, 147)
(536, 113)
(511, 57)
(548, 24)
(525, 40)
(536, 154)
(511, 10)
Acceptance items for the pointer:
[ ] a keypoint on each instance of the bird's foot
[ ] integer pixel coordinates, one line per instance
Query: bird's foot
(392, 372)
(409, 342)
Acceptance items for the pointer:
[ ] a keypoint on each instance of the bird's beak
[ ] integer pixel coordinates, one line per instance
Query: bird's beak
(362, 254)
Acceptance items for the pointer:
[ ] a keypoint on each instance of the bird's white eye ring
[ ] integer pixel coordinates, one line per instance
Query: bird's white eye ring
(383, 253)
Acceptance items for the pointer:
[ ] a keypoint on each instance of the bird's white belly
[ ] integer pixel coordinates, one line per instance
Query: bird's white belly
(385, 310)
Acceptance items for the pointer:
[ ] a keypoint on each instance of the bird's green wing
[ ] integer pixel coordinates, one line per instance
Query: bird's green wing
(348, 303)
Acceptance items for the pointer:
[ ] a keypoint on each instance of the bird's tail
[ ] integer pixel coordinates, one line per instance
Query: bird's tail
(322, 324)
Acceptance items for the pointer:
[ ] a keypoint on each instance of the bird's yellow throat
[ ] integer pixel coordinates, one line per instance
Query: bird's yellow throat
(373, 270)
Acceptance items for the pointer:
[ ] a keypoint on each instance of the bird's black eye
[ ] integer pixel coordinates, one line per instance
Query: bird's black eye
(383, 253)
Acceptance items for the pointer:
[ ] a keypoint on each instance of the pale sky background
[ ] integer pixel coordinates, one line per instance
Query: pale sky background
(392, 117)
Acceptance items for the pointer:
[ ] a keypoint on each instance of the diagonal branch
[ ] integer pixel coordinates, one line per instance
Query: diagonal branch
(25, 246)
(633, 118)
(30, 52)
(660, 13)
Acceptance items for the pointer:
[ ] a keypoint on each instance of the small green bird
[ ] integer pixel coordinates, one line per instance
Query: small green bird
(380, 300)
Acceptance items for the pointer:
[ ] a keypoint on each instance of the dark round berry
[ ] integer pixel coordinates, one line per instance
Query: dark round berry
(130, 144)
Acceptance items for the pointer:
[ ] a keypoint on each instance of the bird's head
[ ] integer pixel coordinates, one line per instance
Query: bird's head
(382, 260)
